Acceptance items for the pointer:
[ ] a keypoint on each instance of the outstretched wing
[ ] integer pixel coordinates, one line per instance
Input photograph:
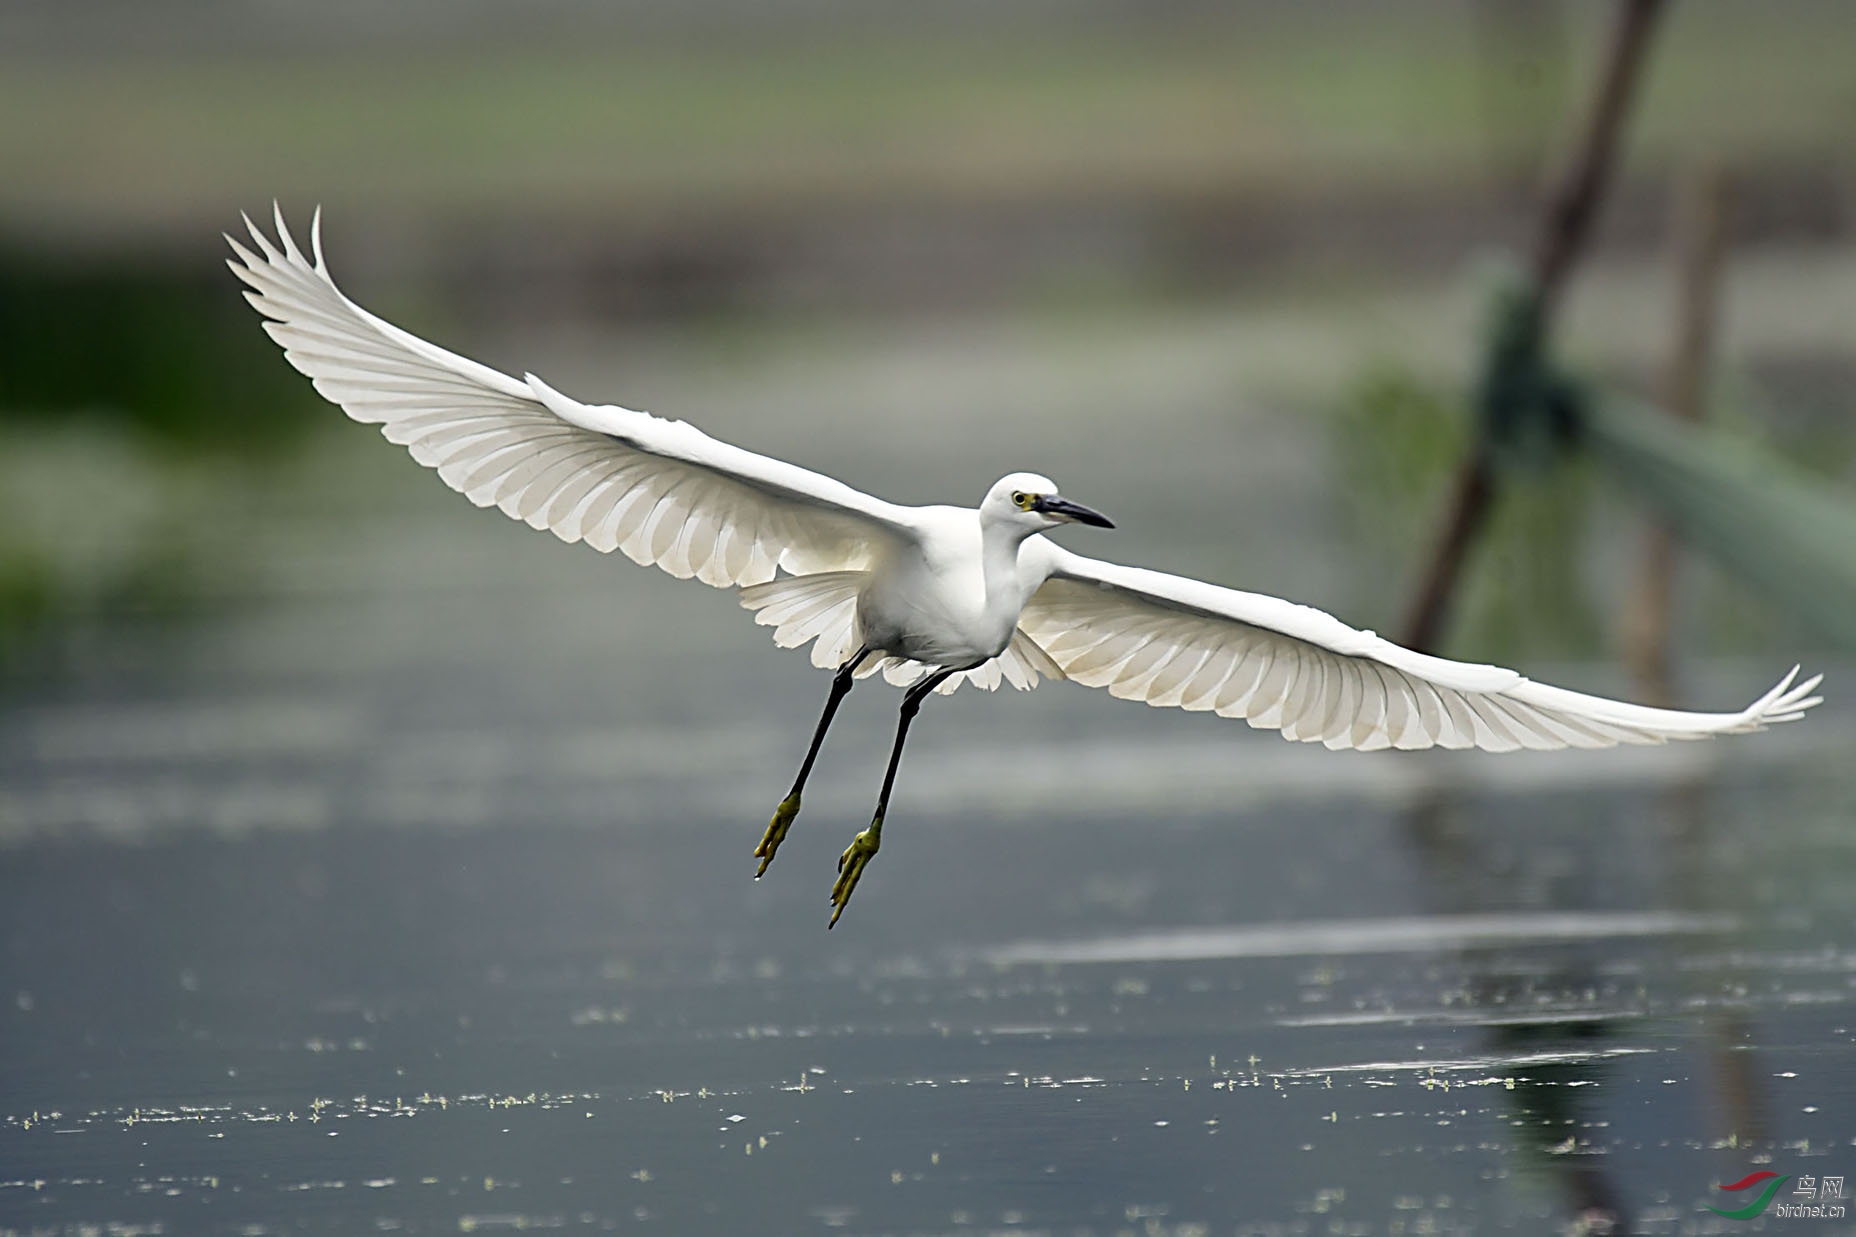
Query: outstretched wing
(1170, 641)
(662, 491)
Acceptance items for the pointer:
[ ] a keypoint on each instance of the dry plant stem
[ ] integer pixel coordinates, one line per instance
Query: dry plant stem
(1702, 210)
(1565, 229)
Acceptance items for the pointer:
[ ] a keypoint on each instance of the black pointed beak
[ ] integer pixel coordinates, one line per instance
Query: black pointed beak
(1063, 508)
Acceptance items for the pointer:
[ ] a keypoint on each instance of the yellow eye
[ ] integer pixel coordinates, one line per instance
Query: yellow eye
(1022, 500)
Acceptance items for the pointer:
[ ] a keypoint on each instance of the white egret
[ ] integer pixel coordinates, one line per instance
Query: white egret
(931, 596)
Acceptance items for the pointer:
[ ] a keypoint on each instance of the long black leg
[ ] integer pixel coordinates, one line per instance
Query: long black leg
(788, 811)
(864, 846)
(911, 705)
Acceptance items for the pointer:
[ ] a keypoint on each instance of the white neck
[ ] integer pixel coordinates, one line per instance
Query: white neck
(999, 545)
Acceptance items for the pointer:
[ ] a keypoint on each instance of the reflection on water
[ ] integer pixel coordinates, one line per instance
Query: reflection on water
(1359, 936)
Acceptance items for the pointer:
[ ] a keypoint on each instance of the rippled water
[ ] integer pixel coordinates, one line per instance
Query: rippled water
(341, 956)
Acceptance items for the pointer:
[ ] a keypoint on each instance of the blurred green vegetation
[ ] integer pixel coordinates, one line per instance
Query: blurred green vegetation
(170, 353)
(128, 365)
(134, 398)
(1534, 588)
(1398, 439)
(1393, 95)
(97, 521)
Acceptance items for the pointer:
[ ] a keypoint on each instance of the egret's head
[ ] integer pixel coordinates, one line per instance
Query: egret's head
(1031, 501)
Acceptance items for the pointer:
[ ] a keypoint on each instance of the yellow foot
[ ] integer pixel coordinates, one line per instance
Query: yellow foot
(783, 817)
(851, 866)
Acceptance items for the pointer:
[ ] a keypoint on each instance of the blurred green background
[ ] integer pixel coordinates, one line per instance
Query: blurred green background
(1259, 222)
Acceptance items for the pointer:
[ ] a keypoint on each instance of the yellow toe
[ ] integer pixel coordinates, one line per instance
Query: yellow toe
(783, 817)
(851, 865)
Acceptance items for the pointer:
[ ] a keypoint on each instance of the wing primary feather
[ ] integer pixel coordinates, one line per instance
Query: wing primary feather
(585, 473)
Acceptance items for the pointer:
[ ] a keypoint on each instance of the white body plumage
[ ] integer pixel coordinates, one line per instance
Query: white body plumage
(951, 593)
